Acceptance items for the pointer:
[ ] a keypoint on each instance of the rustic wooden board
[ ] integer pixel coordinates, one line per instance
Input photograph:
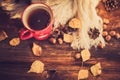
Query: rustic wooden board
(16, 61)
(58, 59)
(113, 16)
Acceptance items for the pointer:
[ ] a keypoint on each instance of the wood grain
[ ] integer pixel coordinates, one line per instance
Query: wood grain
(59, 60)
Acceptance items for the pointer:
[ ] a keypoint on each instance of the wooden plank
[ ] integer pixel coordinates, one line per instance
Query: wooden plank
(58, 59)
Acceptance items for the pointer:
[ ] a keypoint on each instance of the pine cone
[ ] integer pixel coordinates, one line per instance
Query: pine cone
(112, 4)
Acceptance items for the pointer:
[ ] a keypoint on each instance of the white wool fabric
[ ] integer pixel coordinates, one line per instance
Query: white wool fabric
(63, 11)
(89, 19)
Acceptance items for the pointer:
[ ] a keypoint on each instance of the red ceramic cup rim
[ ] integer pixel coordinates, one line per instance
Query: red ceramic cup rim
(48, 9)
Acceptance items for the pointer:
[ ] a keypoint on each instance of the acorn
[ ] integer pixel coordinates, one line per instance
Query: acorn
(52, 40)
(77, 56)
(104, 26)
(100, 45)
(108, 38)
(60, 40)
(112, 33)
(104, 33)
(117, 36)
(106, 21)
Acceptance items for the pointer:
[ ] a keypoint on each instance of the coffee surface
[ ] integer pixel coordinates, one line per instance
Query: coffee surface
(39, 19)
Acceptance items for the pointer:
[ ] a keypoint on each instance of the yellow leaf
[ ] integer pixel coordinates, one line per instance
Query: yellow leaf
(37, 50)
(83, 74)
(75, 23)
(14, 41)
(37, 67)
(67, 38)
(85, 54)
(96, 69)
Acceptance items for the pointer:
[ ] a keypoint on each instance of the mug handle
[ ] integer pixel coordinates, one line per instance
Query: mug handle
(41, 36)
(26, 34)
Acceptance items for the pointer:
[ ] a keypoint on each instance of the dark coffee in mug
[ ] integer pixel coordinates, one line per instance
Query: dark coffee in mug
(39, 19)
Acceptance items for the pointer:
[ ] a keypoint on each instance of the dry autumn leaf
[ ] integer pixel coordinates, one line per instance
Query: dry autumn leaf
(75, 23)
(83, 74)
(37, 67)
(67, 38)
(3, 35)
(37, 50)
(14, 41)
(96, 69)
(85, 54)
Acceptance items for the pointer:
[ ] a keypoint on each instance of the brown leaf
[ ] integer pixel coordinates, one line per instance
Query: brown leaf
(37, 50)
(85, 54)
(83, 74)
(37, 67)
(96, 69)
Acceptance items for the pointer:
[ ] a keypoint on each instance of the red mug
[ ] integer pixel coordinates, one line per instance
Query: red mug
(38, 21)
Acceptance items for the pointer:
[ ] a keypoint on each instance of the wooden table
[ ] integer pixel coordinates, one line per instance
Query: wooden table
(59, 60)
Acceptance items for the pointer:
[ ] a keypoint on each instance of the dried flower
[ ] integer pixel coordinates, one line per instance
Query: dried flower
(93, 33)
